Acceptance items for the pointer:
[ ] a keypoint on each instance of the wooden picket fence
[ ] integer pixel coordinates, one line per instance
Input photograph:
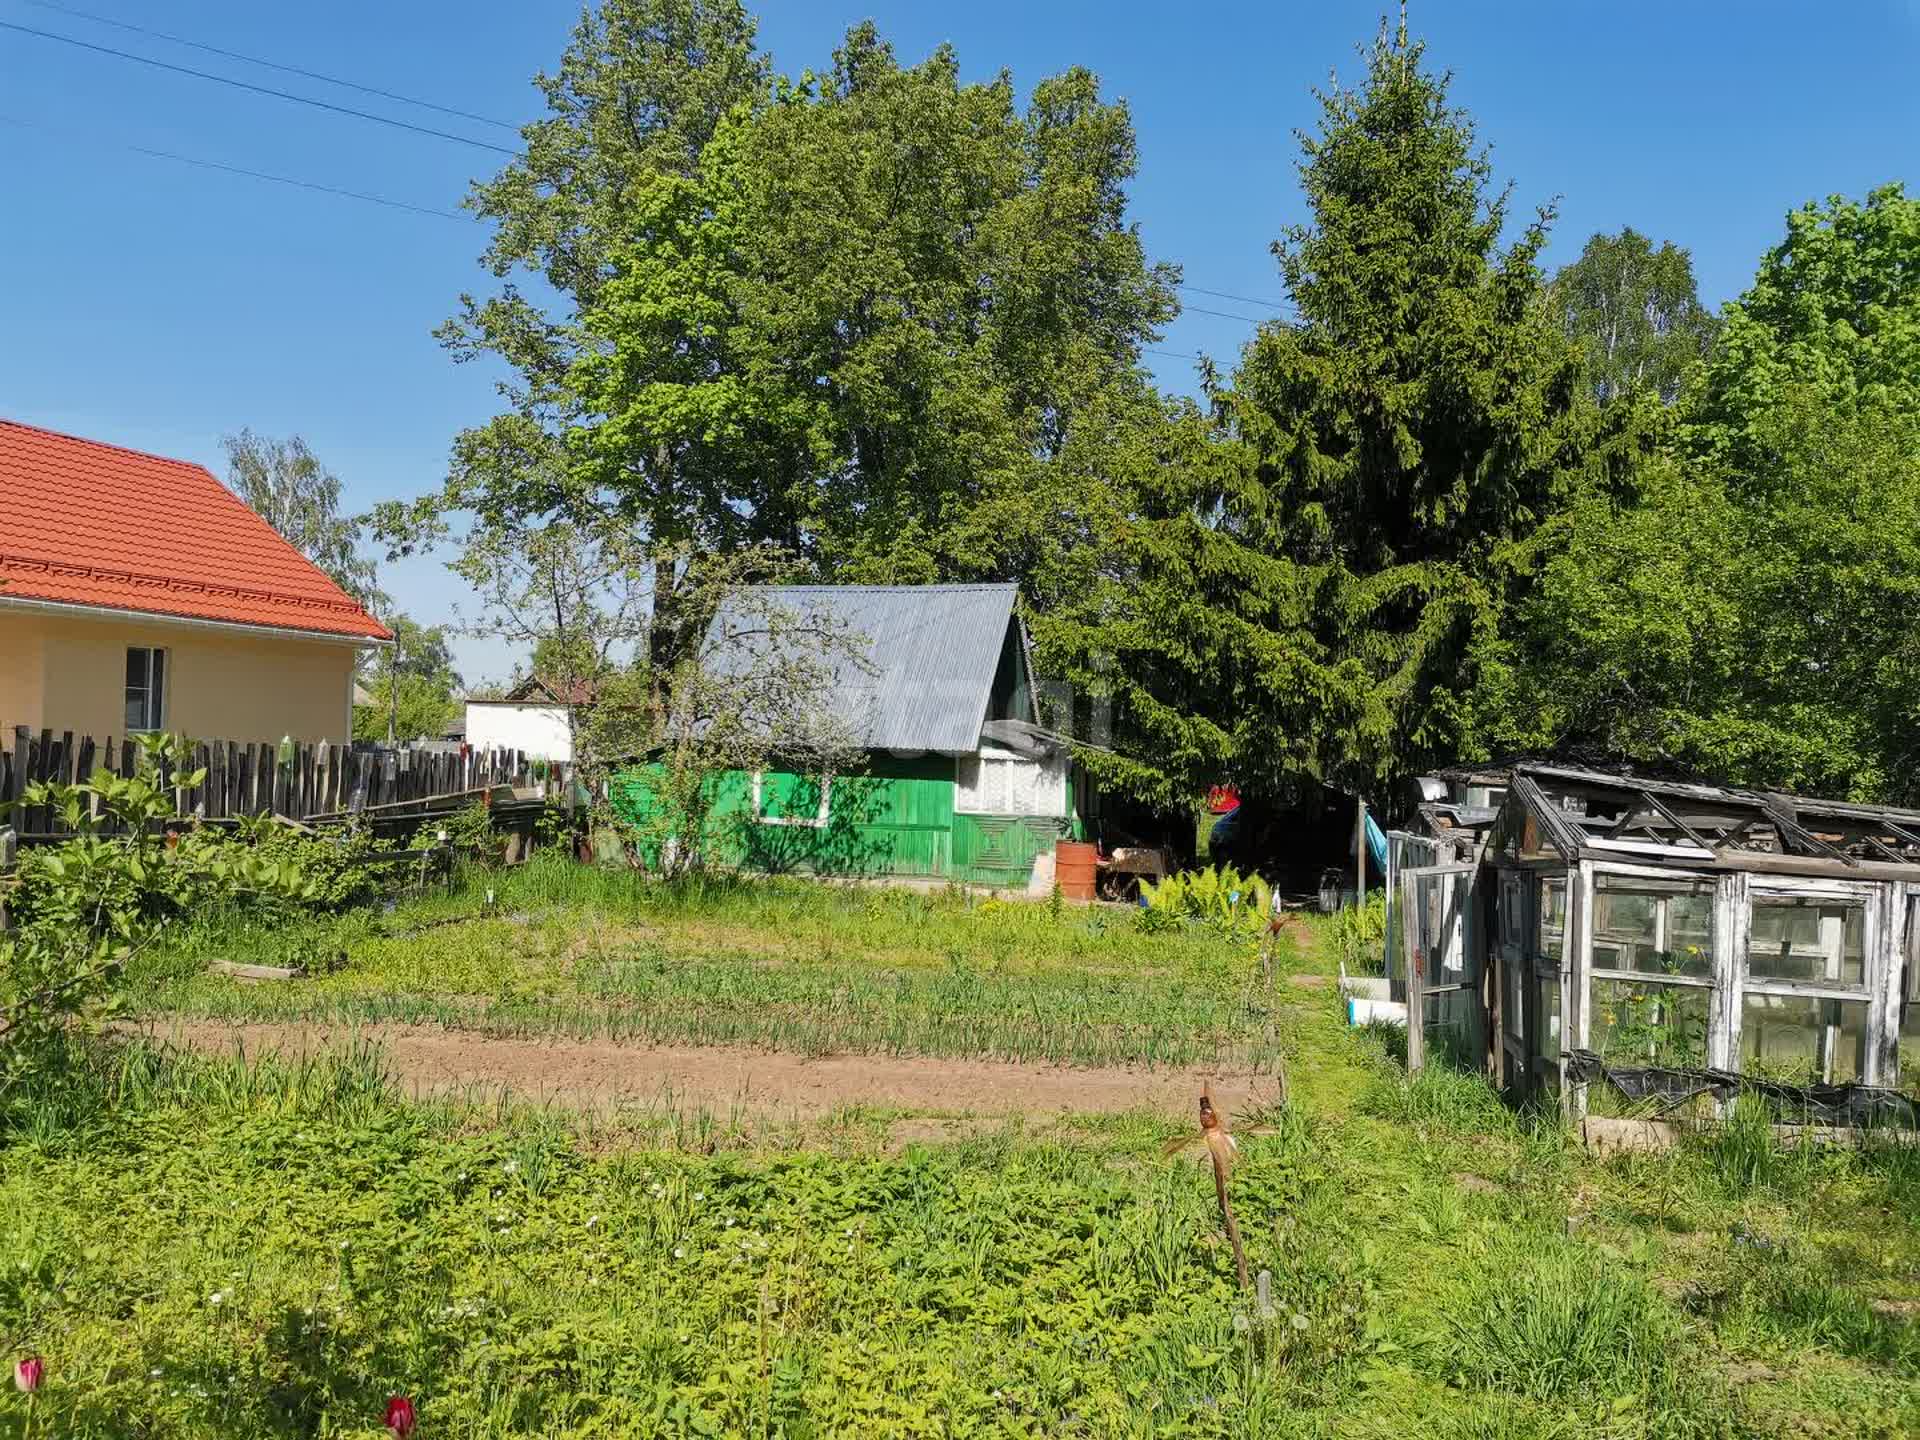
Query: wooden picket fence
(307, 782)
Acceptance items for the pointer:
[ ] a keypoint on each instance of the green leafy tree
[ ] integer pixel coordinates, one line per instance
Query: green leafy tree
(878, 318)
(1636, 315)
(411, 686)
(1834, 307)
(1751, 625)
(1320, 575)
(1742, 610)
(637, 95)
(284, 483)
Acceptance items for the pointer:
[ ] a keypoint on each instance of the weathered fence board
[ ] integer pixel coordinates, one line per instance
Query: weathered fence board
(298, 782)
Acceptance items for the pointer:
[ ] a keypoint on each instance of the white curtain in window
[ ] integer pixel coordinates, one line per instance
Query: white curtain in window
(998, 782)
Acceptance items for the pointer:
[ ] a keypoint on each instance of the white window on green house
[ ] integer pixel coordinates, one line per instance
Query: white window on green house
(1002, 783)
(783, 799)
(146, 689)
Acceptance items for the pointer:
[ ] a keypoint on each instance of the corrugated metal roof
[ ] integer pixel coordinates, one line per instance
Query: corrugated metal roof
(931, 655)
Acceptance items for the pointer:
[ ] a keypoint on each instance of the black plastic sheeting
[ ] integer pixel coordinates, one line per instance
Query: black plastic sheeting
(1862, 1106)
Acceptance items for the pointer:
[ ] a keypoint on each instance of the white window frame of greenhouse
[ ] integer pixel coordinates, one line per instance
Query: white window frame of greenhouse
(1885, 905)
(1524, 1051)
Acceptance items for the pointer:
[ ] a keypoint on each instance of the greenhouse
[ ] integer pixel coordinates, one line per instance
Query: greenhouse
(1663, 940)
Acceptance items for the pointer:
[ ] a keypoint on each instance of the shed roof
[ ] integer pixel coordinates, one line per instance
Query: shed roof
(90, 525)
(1597, 814)
(931, 655)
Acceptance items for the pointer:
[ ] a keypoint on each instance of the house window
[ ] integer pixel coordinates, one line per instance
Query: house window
(783, 799)
(146, 689)
(995, 782)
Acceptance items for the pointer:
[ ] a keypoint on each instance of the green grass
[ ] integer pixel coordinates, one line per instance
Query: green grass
(810, 969)
(201, 1247)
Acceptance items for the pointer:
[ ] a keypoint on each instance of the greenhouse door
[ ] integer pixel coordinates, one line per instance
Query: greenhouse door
(1440, 945)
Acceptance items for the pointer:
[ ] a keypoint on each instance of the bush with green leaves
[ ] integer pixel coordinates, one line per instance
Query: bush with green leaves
(1360, 936)
(1218, 897)
(82, 907)
(339, 869)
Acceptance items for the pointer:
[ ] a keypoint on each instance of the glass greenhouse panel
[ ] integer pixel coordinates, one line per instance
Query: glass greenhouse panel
(1802, 1039)
(1808, 939)
(1651, 928)
(1645, 1023)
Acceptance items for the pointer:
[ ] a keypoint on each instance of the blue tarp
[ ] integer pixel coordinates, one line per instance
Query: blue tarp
(1377, 843)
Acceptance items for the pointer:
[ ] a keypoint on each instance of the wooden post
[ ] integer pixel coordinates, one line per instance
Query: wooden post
(1359, 850)
(1412, 934)
(1226, 1214)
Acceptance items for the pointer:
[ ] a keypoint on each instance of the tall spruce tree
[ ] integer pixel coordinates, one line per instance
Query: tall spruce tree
(1317, 588)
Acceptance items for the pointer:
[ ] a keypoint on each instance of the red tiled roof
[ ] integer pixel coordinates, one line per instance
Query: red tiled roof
(84, 523)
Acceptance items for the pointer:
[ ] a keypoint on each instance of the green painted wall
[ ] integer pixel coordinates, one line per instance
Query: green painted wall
(1000, 849)
(896, 819)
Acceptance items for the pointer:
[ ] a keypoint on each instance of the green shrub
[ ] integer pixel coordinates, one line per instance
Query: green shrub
(339, 869)
(1360, 936)
(83, 907)
(1218, 897)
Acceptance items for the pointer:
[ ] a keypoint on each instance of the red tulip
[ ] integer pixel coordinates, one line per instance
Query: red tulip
(400, 1418)
(28, 1373)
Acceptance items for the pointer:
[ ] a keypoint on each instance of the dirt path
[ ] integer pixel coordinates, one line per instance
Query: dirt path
(427, 1060)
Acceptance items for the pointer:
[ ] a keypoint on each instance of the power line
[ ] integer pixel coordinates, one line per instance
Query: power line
(240, 170)
(258, 89)
(1229, 295)
(1223, 314)
(269, 64)
(61, 9)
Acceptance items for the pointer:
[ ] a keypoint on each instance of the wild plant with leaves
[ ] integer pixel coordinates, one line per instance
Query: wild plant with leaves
(82, 908)
(1219, 897)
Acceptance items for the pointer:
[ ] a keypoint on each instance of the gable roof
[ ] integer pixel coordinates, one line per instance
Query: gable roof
(932, 652)
(535, 688)
(88, 524)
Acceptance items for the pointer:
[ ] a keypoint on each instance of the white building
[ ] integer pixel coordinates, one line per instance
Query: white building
(533, 717)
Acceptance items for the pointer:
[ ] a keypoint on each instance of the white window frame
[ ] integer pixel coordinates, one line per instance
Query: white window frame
(155, 696)
(813, 822)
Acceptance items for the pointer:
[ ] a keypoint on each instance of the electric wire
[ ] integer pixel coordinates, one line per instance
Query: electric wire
(76, 14)
(258, 89)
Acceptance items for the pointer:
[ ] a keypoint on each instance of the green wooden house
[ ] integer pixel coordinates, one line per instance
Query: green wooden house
(958, 780)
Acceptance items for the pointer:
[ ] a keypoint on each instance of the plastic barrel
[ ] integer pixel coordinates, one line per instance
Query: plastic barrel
(1074, 867)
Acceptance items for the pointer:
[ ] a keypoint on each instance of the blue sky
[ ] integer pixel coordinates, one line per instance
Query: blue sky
(160, 306)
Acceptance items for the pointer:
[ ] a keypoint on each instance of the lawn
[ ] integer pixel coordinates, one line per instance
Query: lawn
(204, 1247)
(786, 965)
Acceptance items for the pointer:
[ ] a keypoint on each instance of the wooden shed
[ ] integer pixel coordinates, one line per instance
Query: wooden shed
(1667, 938)
(957, 779)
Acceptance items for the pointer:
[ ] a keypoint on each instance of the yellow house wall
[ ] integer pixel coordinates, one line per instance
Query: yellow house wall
(220, 684)
(21, 673)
